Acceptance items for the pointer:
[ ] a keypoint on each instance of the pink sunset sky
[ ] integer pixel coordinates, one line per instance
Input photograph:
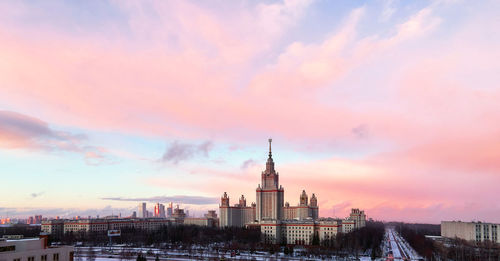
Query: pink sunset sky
(388, 106)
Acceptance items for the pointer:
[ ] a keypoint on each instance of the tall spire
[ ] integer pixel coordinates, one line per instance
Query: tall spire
(270, 153)
(270, 162)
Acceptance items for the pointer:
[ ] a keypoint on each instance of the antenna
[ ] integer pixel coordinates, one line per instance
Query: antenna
(270, 140)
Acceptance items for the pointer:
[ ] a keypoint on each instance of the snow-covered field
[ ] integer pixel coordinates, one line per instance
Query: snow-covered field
(130, 254)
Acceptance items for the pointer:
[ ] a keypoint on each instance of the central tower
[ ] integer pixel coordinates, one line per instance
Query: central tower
(270, 195)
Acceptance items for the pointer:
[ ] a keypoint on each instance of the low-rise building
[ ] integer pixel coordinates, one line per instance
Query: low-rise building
(470, 231)
(102, 224)
(237, 215)
(53, 226)
(60, 226)
(204, 221)
(33, 249)
(302, 231)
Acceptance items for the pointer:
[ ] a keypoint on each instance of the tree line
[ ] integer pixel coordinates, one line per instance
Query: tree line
(178, 234)
(366, 240)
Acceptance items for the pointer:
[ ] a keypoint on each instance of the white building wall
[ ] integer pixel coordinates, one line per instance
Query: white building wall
(35, 248)
(471, 231)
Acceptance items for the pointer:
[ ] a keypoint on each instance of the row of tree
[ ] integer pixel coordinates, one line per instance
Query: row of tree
(365, 240)
(172, 235)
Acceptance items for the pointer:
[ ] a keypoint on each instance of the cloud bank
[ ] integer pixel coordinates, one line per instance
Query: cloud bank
(182, 199)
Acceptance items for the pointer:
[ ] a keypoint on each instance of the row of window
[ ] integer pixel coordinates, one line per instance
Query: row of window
(55, 257)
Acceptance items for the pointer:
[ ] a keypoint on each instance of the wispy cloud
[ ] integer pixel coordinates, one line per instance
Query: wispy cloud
(388, 10)
(183, 199)
(360, 131)
(22, 131)
(65, 212)
(248, 163)
(177, 152)
(35, 195)
(19, 131)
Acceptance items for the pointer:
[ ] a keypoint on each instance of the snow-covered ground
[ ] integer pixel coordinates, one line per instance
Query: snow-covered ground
(120, 254)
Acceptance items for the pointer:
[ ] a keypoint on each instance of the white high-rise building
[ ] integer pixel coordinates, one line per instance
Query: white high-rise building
(142, 212)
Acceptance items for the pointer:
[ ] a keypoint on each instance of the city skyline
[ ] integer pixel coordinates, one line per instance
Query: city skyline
(386, 106)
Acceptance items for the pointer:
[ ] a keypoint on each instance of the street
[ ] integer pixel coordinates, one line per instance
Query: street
(396, 248)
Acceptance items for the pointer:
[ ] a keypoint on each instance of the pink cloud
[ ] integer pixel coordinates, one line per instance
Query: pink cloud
(429, 101)
(22, 131)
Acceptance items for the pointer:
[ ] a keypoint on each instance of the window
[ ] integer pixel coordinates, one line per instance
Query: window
(55, 257)
(43, 257)
(31, 258)
(486, 232)
(16, 259)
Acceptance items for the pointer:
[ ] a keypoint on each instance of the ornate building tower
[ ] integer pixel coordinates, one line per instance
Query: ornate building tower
(270, 196)
(224, 211)
(243, 201)
(303, 198)
(314, 206)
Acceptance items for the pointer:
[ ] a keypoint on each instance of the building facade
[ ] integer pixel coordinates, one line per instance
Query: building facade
(33, 249)
(142, 211)
(61, 226)
(101, 224)
(303, 210)
(278, 221)
(270, 196)
(470, 231)
(237, 215)
(53, 226)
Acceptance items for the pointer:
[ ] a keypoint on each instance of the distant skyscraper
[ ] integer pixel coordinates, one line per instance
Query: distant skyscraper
(170, 209)
(141, 211)
(159, 210)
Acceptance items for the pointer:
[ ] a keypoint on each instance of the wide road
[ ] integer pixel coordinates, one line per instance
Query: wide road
(400, 250)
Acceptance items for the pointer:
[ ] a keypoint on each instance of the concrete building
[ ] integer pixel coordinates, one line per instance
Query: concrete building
(237, 215)
(33, 249)
(303, 210)
(142, 212)
(205, 222)
(302, 231)
(53, 226)
(359, 217)
(178, 213)
(170, 209)
(61, 226)
(101, 224)
(470, 231)
(278, 221)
